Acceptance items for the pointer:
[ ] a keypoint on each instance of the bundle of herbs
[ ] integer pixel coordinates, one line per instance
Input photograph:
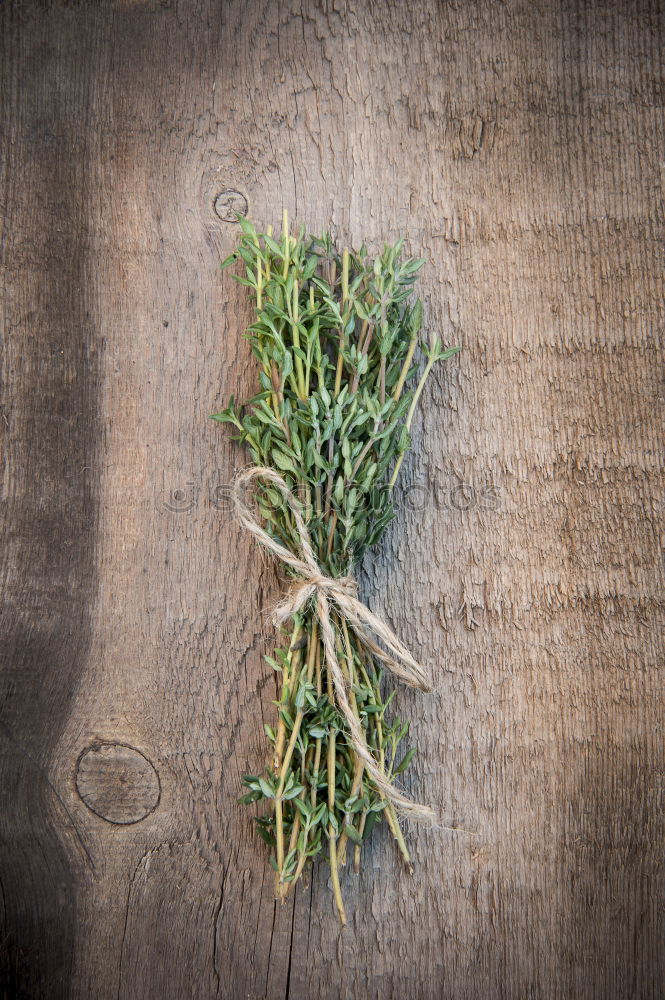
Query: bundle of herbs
(337, 345)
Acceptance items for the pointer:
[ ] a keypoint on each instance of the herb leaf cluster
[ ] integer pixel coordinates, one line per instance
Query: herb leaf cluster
(338, 345)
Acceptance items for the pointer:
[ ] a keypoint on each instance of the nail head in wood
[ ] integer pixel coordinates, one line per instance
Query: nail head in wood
(117, 782)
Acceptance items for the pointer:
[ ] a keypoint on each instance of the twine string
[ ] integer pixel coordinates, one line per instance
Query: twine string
(342, 594)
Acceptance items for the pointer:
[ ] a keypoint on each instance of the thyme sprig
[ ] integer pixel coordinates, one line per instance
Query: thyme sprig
(337, 343)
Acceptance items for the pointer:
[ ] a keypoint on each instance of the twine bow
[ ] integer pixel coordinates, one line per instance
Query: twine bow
(342, 593)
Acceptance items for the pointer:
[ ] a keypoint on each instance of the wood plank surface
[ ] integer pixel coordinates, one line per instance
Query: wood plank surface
(519, 147)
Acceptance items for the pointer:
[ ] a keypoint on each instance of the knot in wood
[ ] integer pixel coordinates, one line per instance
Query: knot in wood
(227, 203)
(117, 782)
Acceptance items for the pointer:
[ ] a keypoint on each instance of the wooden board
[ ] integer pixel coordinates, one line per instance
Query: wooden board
(518, 146)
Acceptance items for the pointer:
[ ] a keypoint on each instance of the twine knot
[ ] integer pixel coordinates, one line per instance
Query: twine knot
(301, 591)
(342, 592)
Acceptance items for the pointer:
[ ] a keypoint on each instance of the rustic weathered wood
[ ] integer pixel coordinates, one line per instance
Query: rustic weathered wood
(519, 147)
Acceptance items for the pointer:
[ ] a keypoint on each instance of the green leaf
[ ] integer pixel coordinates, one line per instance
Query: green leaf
(444, 355)
(408, 757)
(287, 718)
(266, 789)
(353, 834)
(293, 792)
(370, 822)
(378, 806)
(303, 807)
(290, 860)
(266, 835)
(310, 267)
(246, 226)
(283, 461)
(272, 245)
(249, 797)
(320, 815)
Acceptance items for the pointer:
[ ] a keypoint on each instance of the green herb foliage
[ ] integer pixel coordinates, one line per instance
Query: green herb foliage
(338, 346)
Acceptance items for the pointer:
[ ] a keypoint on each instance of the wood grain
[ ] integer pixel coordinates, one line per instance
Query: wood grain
(518, 146)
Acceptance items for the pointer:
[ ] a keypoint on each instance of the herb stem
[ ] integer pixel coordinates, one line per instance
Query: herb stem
(295, 315)
(363, 344)
(357, 849)
(342, 335)
(396, 831)
(332, 840)
(359, 766)
(397, 391)
(259, 281)
(286, 241)
(281, 725)
(279, 749)
(409, 418)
